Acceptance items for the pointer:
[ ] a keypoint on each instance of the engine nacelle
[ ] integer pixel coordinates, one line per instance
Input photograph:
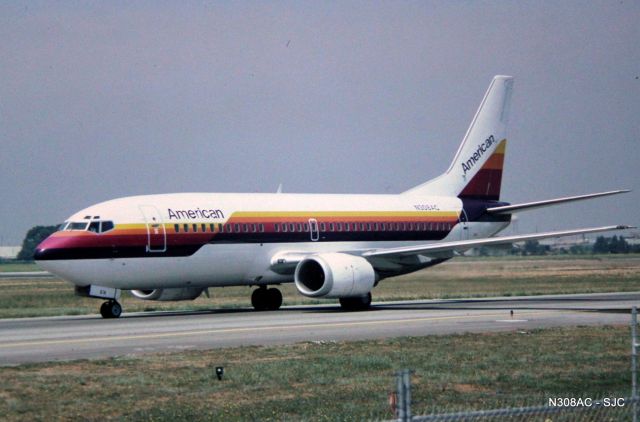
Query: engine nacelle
(181, 293)
(334, 275)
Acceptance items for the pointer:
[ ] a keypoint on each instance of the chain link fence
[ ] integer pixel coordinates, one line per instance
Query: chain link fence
(597, 411)
(556, 409)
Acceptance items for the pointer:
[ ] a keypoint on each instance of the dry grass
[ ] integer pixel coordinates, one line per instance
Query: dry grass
(325, 381)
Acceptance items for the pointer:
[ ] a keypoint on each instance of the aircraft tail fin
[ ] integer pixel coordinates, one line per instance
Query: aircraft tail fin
(476, 170)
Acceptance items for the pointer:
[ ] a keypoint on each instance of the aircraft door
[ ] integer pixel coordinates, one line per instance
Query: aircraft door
(313, 229)
(156, 233)
(464, 221)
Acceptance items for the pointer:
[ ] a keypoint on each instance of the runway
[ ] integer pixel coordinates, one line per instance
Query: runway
(79, 337)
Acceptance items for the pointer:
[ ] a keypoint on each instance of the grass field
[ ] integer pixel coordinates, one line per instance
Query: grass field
(460, 277)
(326, 381)
(18, 266)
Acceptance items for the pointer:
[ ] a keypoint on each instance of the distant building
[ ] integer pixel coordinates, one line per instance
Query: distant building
(9, 252)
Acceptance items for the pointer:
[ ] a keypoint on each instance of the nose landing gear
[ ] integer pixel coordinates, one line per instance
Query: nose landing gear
(111, 309)
(264, 299)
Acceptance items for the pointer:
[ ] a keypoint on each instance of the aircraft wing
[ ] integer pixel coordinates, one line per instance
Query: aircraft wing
(285, 262)
(440, 248)
(510, 209)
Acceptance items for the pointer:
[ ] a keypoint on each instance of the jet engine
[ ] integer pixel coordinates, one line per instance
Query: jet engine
(334, 275)
(181, 293)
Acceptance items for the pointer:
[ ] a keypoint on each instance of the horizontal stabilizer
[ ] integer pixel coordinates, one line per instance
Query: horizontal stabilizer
(510, 209)
(438, 249)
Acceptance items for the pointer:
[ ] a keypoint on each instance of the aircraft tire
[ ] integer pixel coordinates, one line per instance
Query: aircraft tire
(111, 309)
(259, 299)
(360, 303)
(104, 311)
(274, 301)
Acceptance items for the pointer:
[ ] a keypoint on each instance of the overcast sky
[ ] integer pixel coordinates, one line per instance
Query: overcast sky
(107, 99)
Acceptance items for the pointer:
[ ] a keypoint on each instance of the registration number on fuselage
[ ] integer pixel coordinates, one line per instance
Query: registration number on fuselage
(427, 207)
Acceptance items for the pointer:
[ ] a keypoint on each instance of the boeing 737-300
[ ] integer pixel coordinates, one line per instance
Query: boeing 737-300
(176, 246)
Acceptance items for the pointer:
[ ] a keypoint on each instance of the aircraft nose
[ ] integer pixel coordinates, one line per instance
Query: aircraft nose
(46, 250)
(41, 254)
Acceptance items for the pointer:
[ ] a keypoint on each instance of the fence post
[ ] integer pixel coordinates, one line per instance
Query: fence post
(634, 359)
(404, 395)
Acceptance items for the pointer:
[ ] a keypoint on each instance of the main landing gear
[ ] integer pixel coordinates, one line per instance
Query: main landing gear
(111, 309)
(264, 299)
(360, 303)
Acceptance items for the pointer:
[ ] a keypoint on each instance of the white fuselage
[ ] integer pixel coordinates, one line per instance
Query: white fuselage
(237, 236)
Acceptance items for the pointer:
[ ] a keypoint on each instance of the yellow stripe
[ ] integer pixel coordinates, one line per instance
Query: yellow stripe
(501, 147)
(354, 214)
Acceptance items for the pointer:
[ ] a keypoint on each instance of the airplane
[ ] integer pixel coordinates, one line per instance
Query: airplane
(176, 246)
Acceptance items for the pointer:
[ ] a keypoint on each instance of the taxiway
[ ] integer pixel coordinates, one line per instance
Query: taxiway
(78, 337)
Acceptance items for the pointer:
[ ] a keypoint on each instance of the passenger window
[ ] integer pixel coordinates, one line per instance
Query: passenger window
(323, 227)
(195, 228)
(253, 228)
(339, 227)
(236, 228)
(212, 227)
(261, 227)
(176, 228)
(276, 227)
(299, 227)
(186, 228)
(292, 227)
(220, 227)
(285, 227)
(245, 228)
(94, 227)
(368, 227)
(204, 228)
(331, 227)
(228, 228)
(346, 227)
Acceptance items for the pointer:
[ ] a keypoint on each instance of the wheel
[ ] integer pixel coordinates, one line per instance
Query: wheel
(274, 299)
(264, 299)
(259, 299)
(104, 310)
(111, 309)
(116, 310)
(360, 303)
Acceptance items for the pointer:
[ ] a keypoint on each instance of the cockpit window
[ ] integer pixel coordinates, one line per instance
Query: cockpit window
(93, 226)
(78, 226)
(63, 226)
(106, 226)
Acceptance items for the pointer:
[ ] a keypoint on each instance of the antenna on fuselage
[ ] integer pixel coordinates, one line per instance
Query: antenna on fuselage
(279, 188)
